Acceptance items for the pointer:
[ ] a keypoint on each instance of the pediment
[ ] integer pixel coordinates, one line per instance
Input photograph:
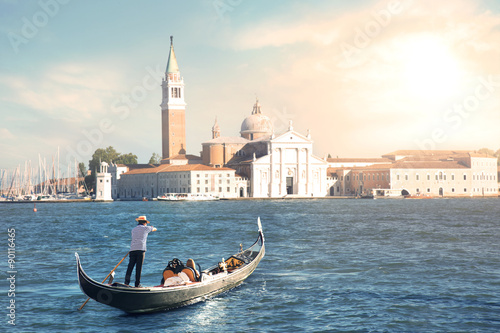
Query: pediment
(291, 137)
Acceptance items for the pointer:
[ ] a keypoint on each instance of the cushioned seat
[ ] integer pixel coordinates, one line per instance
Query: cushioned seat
(190, 273)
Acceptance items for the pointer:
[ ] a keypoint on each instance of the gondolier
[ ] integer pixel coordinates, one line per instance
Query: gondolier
(138, 249)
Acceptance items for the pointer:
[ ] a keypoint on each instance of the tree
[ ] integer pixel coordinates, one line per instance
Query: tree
(126, 159)
(491, 153)
(107, 155)
(486, 151)
(81, 169)
(155, 159)
(110, 155)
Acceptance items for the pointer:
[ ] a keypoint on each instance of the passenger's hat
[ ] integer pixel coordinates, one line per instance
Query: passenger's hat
(142, 218)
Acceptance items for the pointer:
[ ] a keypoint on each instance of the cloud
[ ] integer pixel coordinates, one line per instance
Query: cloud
(6, 134)
(384, 73)
(65, 91)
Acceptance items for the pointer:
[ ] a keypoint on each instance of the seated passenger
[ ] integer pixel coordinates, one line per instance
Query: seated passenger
(190, 263)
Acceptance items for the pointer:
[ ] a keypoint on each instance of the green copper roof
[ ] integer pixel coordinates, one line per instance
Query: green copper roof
(172, 66)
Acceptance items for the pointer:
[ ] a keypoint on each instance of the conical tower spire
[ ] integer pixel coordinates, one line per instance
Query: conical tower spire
(172, 66)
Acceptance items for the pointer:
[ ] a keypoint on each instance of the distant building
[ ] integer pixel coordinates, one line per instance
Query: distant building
(116, 170)
(417, 172)
(167, 178)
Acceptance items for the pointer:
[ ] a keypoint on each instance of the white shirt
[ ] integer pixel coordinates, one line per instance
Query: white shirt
(139, 237)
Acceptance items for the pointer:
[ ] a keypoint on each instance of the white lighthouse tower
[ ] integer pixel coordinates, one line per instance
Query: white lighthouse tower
(103, 184)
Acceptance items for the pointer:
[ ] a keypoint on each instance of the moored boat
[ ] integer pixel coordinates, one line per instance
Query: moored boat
(418, 196)
(187, 197)
(214, 280)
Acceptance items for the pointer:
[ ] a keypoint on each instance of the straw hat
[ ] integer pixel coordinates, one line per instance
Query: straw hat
(142, 218)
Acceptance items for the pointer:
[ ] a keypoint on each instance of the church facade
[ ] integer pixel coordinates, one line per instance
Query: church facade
(276, 166)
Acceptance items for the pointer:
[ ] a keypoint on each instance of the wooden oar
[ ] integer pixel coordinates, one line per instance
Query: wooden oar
(81, 307)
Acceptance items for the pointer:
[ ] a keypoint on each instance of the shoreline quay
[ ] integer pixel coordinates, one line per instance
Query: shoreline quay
(247, 199)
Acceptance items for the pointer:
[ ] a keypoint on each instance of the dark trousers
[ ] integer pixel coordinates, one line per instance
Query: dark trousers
(136, 258)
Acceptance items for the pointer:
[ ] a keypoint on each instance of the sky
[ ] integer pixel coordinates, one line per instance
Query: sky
(364, 77)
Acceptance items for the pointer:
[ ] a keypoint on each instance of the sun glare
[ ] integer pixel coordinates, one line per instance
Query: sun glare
(429, 70)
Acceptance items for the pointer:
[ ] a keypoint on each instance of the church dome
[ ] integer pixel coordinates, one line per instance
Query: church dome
(256, 125)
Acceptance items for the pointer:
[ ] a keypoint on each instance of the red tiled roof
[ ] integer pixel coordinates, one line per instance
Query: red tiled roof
(174, 168)
(410, 152)
(360, 160)
(408, 164)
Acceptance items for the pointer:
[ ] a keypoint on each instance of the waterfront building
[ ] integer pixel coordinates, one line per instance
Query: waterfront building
(168, 178)
(116, 170)
(422, 172)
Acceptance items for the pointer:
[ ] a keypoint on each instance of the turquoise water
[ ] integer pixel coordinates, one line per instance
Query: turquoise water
(330, 265)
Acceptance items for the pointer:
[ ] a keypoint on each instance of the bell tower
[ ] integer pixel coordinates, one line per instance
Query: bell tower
(173, 109)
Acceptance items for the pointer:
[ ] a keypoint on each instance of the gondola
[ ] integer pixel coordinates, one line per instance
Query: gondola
(226, 275)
